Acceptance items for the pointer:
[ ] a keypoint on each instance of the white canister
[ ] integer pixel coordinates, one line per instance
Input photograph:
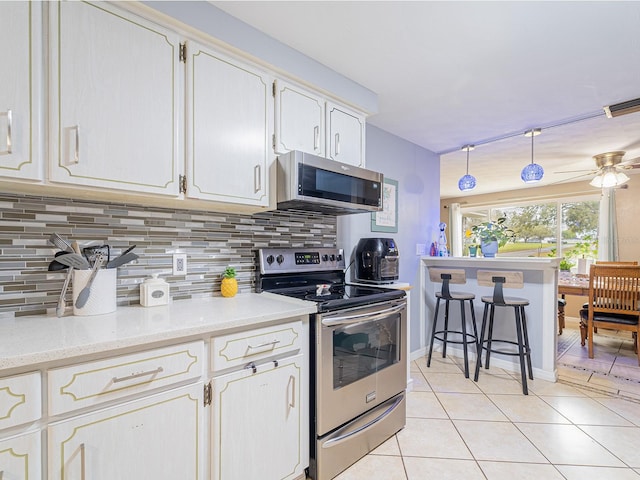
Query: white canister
(102, 294)
(154, 291)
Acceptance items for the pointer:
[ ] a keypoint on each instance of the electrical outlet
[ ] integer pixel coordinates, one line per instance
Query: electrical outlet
(179, 263)
(421, 249)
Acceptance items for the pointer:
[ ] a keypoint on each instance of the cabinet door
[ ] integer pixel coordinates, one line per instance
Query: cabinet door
(345, 137)
(258, 423)
(153, 438)
(20, 37)
(299, 123)
(229, 120)
(20, 457)
(115, 91)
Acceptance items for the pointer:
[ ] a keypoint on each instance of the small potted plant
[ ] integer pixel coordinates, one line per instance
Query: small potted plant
(473, 245)
(229, 286)
(492, 235)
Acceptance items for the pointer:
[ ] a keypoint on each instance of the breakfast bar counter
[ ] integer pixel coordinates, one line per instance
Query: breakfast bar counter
(540, 288)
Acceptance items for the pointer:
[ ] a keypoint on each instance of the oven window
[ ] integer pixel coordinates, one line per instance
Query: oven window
(362, 349)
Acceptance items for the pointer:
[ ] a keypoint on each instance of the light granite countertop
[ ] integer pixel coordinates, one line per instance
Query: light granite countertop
(39, 339)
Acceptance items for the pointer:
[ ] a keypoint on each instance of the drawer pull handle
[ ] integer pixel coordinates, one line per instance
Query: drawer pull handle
(76, 153)
(316, 137)
(137, 375)
(262, 345)
(82, 462)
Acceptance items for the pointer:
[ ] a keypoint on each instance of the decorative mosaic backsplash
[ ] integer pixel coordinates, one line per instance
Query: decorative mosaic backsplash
(212, 241)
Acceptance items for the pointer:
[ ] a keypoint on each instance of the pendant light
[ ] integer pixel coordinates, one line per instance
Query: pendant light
(467, 182)
(533, 172)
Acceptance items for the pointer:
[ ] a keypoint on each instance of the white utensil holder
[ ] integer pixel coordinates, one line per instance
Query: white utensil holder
(102, 298)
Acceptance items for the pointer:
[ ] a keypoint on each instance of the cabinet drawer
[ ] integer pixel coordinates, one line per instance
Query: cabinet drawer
(20, 399)
(240, 348)
(92, 383)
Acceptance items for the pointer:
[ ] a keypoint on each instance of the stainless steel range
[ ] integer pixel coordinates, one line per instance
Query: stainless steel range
(358, 354)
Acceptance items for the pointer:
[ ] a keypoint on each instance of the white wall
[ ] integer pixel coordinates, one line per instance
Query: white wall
(417, 171)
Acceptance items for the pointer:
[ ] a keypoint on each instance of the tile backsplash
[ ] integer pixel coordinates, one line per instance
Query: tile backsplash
(212, 241)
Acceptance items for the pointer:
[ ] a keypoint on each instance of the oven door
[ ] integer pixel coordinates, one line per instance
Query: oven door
(360, 361)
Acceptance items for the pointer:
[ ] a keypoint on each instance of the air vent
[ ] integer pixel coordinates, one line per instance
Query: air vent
(630, 106)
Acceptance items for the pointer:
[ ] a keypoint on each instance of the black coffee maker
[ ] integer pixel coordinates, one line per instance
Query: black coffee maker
(377, 260)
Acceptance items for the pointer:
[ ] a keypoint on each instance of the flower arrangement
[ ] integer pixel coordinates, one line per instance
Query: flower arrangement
(496, 231)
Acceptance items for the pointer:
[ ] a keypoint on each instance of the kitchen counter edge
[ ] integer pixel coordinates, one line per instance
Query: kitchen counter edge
(38, 339)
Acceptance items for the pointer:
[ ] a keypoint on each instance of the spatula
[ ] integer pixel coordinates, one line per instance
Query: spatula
(73, 260)
(83, 296)
(122, 259)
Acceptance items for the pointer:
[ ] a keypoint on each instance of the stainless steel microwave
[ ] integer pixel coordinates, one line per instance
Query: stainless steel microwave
(312, 183)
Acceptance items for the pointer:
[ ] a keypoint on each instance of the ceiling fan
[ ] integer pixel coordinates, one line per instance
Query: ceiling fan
(609, 169)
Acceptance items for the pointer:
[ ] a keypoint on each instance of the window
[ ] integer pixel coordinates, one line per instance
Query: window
(567, 229)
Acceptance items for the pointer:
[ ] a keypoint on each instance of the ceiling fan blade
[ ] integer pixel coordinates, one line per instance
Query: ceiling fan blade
(632, 163)
(567, 180)
(587, 172)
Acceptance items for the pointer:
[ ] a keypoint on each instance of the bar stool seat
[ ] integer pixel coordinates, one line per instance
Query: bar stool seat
(461, 336)
(500, 280)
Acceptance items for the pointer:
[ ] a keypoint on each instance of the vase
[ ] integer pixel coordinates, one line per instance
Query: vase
(489, 249)
(472, 250)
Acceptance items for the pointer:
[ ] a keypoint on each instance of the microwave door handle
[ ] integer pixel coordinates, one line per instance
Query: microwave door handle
(347, 319)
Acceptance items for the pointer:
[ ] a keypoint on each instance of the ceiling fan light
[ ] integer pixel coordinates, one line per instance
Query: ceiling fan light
(467, 182)
(532, 173)
(609, 179)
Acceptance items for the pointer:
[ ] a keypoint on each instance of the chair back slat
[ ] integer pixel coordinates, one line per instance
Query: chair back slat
(458, 275)
(614, 288)
(511, 279)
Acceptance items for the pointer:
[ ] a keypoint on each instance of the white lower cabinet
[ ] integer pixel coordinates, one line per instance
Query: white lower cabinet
(20, 457)
(259, 422)
(154, 438)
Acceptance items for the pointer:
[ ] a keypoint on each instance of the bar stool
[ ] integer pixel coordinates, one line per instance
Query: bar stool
(446, 277)
(500, 280)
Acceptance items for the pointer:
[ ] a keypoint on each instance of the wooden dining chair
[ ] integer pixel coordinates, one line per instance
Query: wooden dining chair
(614, 294)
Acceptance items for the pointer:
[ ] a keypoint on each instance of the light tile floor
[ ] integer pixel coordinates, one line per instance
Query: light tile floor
(585, 426)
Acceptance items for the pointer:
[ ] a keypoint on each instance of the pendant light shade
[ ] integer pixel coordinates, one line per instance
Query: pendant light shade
(533, 172)
(467, 182)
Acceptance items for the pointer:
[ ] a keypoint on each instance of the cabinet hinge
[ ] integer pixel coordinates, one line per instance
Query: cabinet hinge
(182, 179)
(183, 52)
(273, 89)
(273, 141)
(208, 394)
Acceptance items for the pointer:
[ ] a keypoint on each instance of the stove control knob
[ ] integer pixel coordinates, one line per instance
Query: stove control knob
(280, 259)
(325, 257)
(270, 259)
(339, 257)
(332, 257)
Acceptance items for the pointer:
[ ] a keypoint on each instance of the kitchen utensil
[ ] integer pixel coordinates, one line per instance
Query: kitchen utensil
(83, 296)
(128, 250)
(73, 260)
(75, 247)
(91, 252)
(60, 242)
(61, 306)
(122, 259)
(56, 266)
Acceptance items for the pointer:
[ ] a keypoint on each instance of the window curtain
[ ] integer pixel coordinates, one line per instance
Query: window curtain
(455, 232)
(608, 227)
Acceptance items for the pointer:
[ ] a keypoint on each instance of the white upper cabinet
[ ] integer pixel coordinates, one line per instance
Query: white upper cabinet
(228, 128)
(345, 135)
(299, 120)
(115, 89)
(20, 74)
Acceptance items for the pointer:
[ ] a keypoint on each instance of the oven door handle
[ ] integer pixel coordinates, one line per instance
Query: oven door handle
(347, 319)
